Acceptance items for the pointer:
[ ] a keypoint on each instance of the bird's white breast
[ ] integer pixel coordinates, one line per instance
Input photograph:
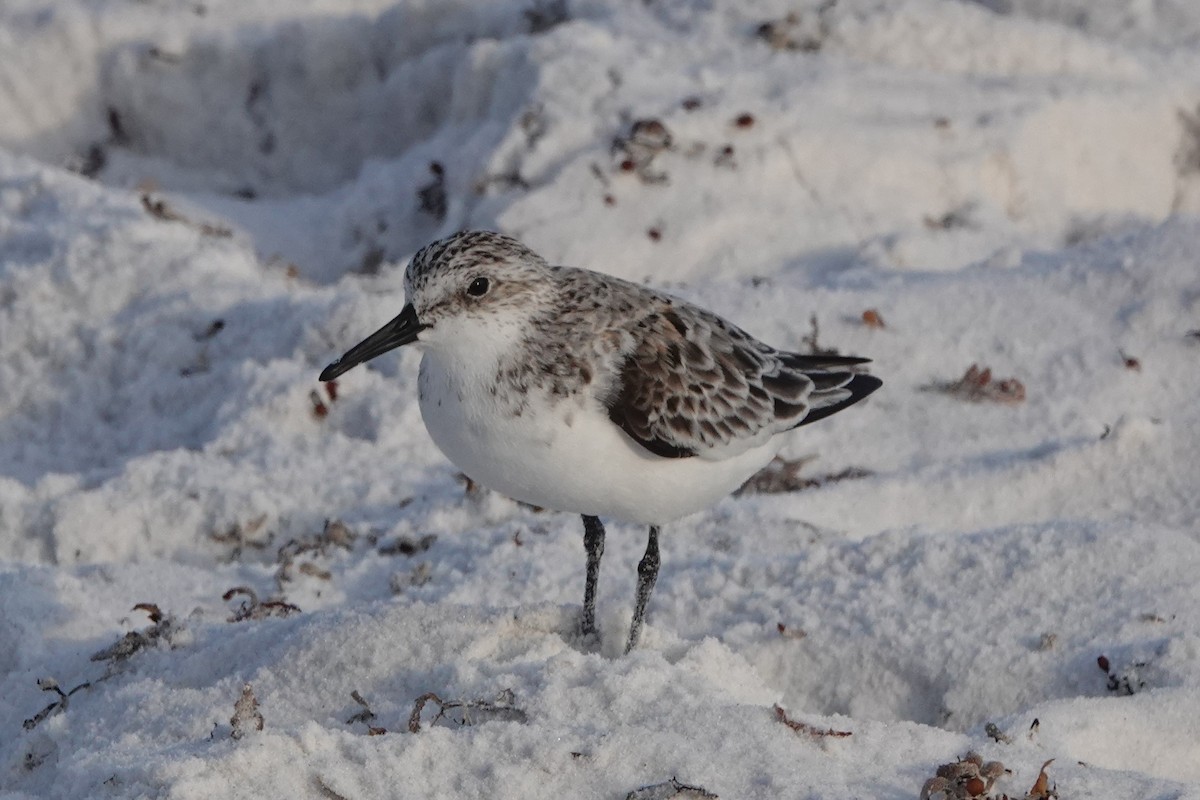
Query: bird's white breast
(564, 453)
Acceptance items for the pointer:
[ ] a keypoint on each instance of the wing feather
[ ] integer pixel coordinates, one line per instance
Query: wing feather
(693, 384)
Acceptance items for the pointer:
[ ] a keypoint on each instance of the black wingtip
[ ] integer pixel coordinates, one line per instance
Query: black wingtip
(859, 387)
(862, 385)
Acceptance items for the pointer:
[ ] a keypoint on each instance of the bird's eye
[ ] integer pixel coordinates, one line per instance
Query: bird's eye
(478, 287)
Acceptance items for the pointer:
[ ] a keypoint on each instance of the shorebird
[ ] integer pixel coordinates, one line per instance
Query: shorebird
(577, 391)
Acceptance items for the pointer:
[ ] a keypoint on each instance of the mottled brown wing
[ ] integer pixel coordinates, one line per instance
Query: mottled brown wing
(694, 383)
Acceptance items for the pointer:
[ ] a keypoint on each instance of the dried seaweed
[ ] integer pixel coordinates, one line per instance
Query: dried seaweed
(246, 715)
(667, 790)
(468, 712)
(977, 386)
(968, 777)
(253, 609)
(783, 475)
(57, 707)
(162, 628)
(805, 728)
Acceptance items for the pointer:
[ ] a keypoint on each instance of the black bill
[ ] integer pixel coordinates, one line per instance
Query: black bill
(400, 331)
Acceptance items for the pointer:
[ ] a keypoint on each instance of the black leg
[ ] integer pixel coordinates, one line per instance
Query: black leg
(647, 574)
(593, 543)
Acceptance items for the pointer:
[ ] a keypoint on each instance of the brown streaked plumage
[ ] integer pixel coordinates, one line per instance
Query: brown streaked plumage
(578, 391)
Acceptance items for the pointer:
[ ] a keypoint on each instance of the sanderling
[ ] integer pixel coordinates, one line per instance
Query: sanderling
(577, 391)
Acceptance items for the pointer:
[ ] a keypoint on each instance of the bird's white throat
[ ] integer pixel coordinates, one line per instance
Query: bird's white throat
(471, 348)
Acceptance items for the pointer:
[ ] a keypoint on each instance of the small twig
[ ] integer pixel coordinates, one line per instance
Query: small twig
(158, 208)
(215, 327)
(804, 727)
(366, 715)
(326, 791)
(58, 706)
(414, 719)
(812, 341)
(670, 789)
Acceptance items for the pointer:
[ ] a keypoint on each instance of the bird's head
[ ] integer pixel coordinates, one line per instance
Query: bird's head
(467, 295)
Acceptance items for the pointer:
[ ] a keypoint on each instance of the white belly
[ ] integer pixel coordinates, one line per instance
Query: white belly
(568, 456)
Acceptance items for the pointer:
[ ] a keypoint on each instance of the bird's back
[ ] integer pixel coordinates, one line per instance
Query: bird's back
(678, 379)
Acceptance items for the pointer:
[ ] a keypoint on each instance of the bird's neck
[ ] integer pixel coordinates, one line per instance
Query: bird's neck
(475, 360)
